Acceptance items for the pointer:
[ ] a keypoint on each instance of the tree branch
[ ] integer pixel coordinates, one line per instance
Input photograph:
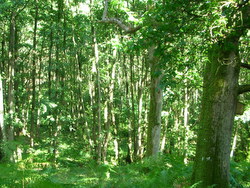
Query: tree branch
(21, 9)
(245, 11)
(119, 23)
(244, 89)
(244, 65)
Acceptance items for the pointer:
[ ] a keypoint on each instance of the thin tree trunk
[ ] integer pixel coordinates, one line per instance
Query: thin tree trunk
(141, 87)
(98, 101)
(11, 74)
(50, 62)
(163, 140)
(40, 75)
(107, 131)
(234, 142)
(116, 143)
(139, 128)
(132, 115)
(129, 157)
(109, 117)
(97, 88)
(33, 104)
(186, 128)
(58, 76)
(3, 135)
(2, 67)
(94, 128)
(50, 79)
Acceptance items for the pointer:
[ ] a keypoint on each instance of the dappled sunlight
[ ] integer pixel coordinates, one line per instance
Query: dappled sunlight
(124, 93)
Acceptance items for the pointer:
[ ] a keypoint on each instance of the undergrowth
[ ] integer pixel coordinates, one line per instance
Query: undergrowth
(162, 172)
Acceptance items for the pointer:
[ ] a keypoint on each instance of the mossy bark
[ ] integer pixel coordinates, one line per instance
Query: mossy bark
(212, 161)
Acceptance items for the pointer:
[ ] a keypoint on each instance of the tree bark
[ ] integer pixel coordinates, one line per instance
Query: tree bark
(211, 165)
(97, 95)
(185, 122)
(140, 127)
(2, 67)
(56, 125)
(154, 124)
(234, 141)
(132, 115)
(220, 92)
(109, 106)
(2, 129)
(11, 75)
(33, 120)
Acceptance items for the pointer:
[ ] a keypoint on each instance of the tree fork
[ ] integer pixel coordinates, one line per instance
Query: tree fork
(119, 23)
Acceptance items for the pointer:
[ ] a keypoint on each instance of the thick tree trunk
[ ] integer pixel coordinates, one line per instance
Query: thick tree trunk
(219, 101)
(154, 118)
(217, 115)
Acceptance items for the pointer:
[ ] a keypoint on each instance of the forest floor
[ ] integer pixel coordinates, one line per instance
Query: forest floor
(163, 172)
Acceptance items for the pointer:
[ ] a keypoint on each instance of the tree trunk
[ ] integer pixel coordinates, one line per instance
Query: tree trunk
(132, 115)
(97, 95)
(33, 123)
(141, 88)
(212, 162)
(185, 124)
(56, 125)
(154, 124)
(11, 74)
(217, 114)
(109, 105)
(2, 66)
(234, 142)
(2, 130)
(129, 157)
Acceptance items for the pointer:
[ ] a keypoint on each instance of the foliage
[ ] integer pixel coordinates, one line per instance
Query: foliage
(165, 171)
(80, 89)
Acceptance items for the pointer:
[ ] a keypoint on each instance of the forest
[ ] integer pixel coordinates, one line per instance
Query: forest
(124, 93)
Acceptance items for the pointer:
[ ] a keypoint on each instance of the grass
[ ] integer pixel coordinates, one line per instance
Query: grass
(163, 172)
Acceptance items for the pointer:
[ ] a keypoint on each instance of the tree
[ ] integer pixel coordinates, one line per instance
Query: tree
(2, 129)
(154, 125)
(156, 94)
(220, 92)
(33, 106)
